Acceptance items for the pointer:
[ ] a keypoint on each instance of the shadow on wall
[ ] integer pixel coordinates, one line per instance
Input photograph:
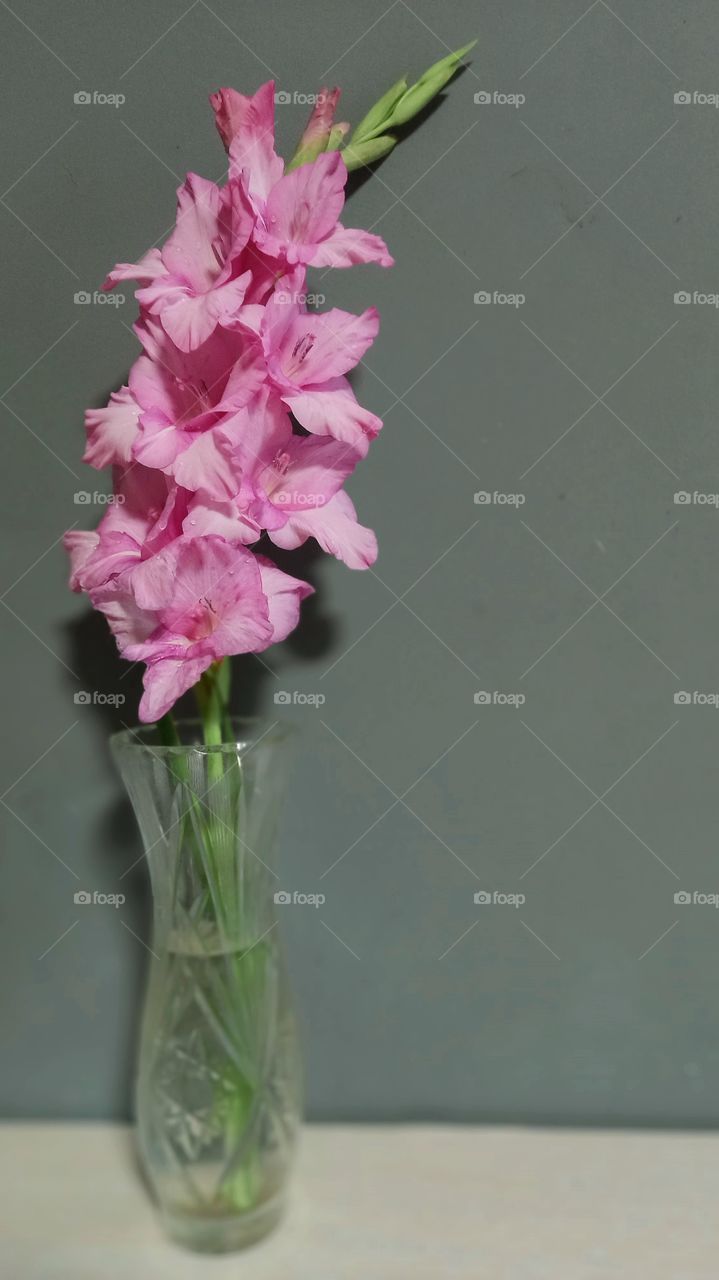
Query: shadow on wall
(94, 657)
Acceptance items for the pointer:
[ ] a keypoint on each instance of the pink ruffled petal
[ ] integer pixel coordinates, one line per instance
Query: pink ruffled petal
(147, 269)
(303, 208)
(79, 545)
(191, 320)
(346, 247)
(247, 128)
(284, 597)
(166, 680)
(335, 527)
(315, 348)
(111, 432)
(332, 410)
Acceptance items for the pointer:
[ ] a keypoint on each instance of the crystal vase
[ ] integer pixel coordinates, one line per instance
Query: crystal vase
(218, 1084)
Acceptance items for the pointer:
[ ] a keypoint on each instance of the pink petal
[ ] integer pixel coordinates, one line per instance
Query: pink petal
(284, 597)
(147, 269)
(111, 431)
(318, 347)
(336, 529)
(311, 471)
(198, 247)
(205, 591)
(207, 515)
(191, 320)
(303, 208)
(346, 247)
(247, 128)
(206, 464)
(166, 680)
(79, 545)
(333, 410)
(130, 624)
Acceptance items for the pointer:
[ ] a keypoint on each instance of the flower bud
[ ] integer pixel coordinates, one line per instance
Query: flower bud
(427, 87)
(358, 154)
(377, 117)
(320, 129)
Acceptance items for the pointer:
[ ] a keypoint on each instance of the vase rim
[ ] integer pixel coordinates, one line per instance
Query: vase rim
(249, 731)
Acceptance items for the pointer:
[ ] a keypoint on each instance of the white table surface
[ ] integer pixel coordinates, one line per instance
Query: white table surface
(391, 1203)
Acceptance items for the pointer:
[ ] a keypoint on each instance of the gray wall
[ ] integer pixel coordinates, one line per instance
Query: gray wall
(596, 599)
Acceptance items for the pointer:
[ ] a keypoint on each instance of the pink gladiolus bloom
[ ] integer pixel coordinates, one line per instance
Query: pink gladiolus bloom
(300, 220)
(196, 601)
(188, 401)
(146, 514)
(198, 285)
(247, 128)
(307, 355)
(207, 454)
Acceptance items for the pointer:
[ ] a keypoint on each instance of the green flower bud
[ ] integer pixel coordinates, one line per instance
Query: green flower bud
(357, 155)
(427, 87)
(334, 142)
(376, 119)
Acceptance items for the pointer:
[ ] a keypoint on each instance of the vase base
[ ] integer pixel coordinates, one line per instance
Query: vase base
(222, 1234)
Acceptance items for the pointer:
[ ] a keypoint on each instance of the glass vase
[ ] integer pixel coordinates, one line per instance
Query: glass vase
(219, 1084)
